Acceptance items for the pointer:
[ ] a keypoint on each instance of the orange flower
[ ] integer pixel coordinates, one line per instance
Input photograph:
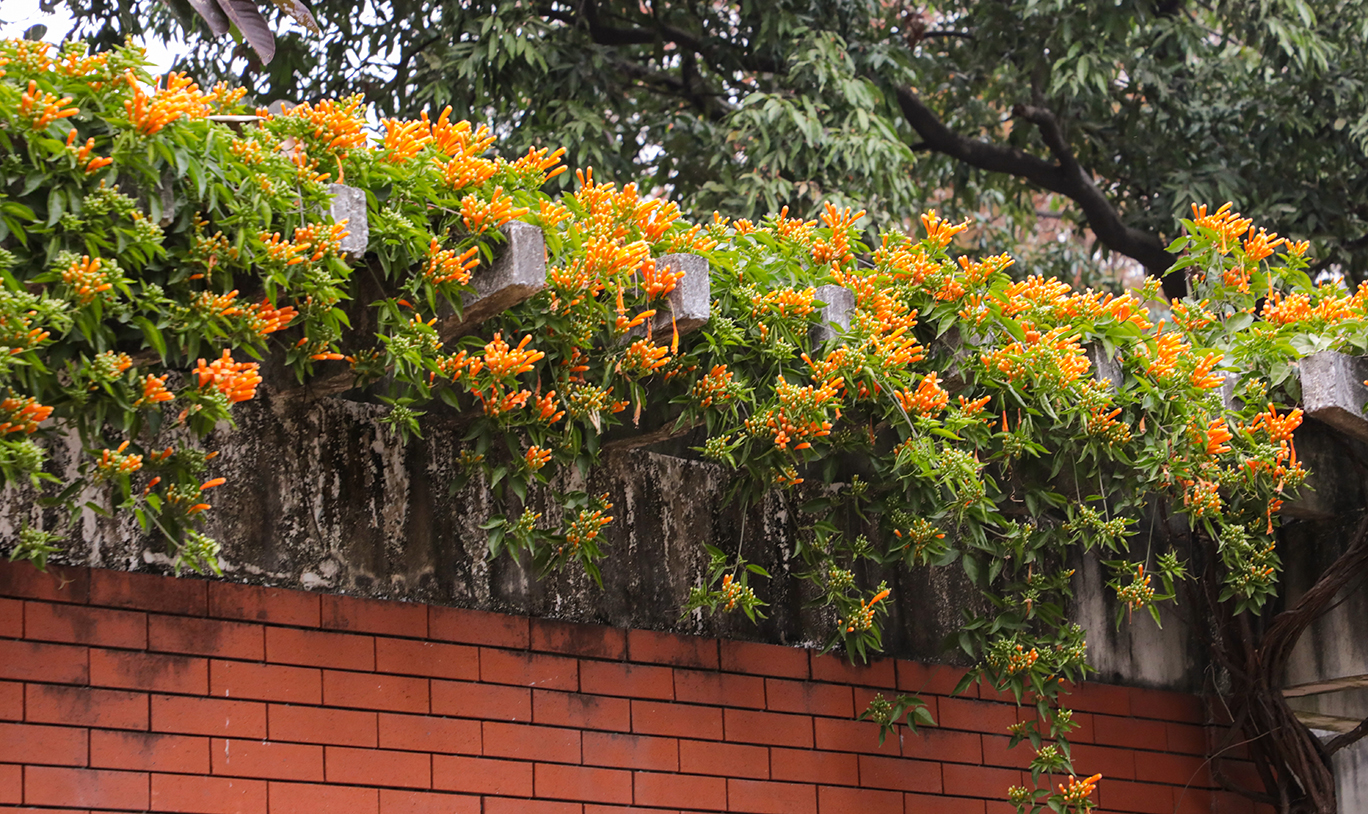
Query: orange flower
(236, 380)
(546, 406)
(22, 414)
(536, 457)
(1279, 428)
(445, 266)
(154, 391)
(929, 398)
(479, 215)
(1215, 436)
(42, 108)
(1202, 377)
(403, 140)
(940, 231)
(1227, 225)
(86, 280)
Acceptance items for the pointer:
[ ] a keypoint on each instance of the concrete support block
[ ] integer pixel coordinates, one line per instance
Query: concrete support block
(1333, 391)
(349, 204)
(834, 318)
(691, 300)
(1104, 366)
(516, 276)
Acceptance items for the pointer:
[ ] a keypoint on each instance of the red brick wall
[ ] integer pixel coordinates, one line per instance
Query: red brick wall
(132, 692)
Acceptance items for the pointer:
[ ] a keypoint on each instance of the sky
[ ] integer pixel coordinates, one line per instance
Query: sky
(19, 15)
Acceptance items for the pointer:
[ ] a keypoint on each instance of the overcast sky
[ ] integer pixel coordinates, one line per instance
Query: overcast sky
(19, 15)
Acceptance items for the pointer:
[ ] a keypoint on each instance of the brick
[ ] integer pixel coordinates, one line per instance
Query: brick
(216, 717)
(428, 659)
(579, 711)
(424, 733)
(675, 790)
(597, 808)
(58, 584)
(842, 735)
(82, 706)
(314, 648)
(838, 669)
(997, 752)
(832, 768)
(32, 661)
(379, 767)
(1094, 697)
(1089, 759)
(629, 680)
(772, 728)
(1165, 705)
(1177, 770)
(676, 720)
(11, 619)
(488, 701)
(149, 752)
(764, 659)
(375, 691)
(719, 689)
(393, 801)
(582, 783)
(986, 780)
(977, 716)
(765, 797)
(79, 624)
(529, 669)
(478, 627)
(11, 701)
(49, 745)
(473, 775)
(724, 759)
(933, 743)
(267, 760)
(503, 805)
(361, 615)
(254, 603)
(833, 800)
(1139, 798)
(934, 679)
(1186, 739)
(900, 774)
(151, 592)
(809, 698)
(526, 742)
(1132, 733)
(1194, 801)
(134, 670)
(922, 804)
(206, 637)
(624, 751)
(570, 638)
(12, 785)
(338, 727)
(292, 798)
(673, 649)
(265, 682)
(208, 795)
(85, 788)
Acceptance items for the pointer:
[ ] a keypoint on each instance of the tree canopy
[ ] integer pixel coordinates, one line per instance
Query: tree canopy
(1123, 112)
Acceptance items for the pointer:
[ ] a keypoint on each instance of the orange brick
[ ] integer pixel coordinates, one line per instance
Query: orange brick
(843, 735)
(473, 775)
(1136, 798)
(965, 779)
(580, 711)
(206, 637)
(362, 615)
(503, 805)
(85, 788)
(293, 798)
(673, 649)
(623, 751)
(976, 716)
(676, 720)
(32, 661)
(149, 752)
(933, 679)
(859, 801)
(772, 728)
(267, 760)
(393, 801)
(629, 680)
(78, 624)
(719, 689)
(764, 659)
(1130, 733)
(379, 767)
(1092, 696)
(676, 790)
(1165, 705)
(1186, 739)
(339, 727)
(12, 701)
(1117, 764)
(570, 638)
(151, 592)
(50, 745)
(997, 752)
(208, 716)
(254, 603)
(488, 701)
(526, 742)
(135, 670)
(59, 583)
(724, 759)
(838, 669)
(208, 795)
(266, 682)
(82, 706)
(766, 797)
(582, 783)
(529, 669)
(477, 627)
(11, 618)
(314, 648)
(1177, 770)
(375, 691)
(902, 774)
(599, 808)
(809, 698)
(922, 804)
(427, 659)
(12, 786)
(805, 765)
(425, 733)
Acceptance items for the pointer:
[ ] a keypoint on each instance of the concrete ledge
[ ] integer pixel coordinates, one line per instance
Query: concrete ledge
(1333, 391)
(349, 204)
(834, 318)
(517, 275)
(691, 300)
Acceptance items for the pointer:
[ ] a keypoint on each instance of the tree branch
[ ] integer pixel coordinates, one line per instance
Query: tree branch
(1352, 736)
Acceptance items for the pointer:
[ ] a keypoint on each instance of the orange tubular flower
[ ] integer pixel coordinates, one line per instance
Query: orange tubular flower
(503, 362)
(22, 414)
(643, 357)
(479, 216)
(1216, 435)
(1202, 376)
(546, 405)
(265, 318)
(236, 380)
(658, 281)
(43, 108)
(940, 231)
(154, 391)
(403, 140)
(536, 457)
(1279, 428)
(929, 398)
(1077, 791)
(445, 266)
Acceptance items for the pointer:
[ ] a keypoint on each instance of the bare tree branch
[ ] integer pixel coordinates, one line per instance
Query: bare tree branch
(1348, 738)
